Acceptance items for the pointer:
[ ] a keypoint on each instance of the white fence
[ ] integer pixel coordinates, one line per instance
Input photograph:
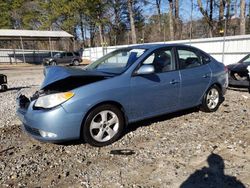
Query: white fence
(20, 56)
(235, 48)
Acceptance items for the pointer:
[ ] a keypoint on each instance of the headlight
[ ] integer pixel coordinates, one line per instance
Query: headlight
(52, 100)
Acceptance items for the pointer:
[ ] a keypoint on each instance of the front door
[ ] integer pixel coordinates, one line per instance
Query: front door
(156, 93)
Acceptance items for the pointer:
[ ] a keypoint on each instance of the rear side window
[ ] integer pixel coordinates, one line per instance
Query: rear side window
(69, 54)
(188, 58)
(62, 54)
(205, 58)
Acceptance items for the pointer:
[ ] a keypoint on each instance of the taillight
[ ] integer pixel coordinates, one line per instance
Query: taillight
(226, 69)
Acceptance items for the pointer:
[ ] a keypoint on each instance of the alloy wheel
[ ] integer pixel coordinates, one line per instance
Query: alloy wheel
(104, 126)
(213, 98)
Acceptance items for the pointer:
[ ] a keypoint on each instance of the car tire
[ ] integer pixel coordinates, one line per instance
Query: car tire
(103, 125)
(76, 62)
(53, 63)
(5, 87)
(212, 99)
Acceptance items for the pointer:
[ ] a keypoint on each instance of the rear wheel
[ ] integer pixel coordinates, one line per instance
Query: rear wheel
(103, 125)
(76, 62)
(212, 99)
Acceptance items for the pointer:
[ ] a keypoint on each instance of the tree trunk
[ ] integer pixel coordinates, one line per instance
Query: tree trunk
(211, 17)
(171, 27)
(191, 21)
(132, 21)
(92, 34)
(228, 19)
(208, 18)
(221, 13)
(177, 20)
(242, 17)
(158, 6)
(116, 21)
(82, 26)
(101, 34)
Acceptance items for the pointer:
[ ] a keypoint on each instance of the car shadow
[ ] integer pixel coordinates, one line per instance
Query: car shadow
(71, 142)
(134, 126)
(147, 122)
(212, 176)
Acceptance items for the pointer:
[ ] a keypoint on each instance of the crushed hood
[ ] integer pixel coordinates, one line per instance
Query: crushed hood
(238, 67)
(63, 78)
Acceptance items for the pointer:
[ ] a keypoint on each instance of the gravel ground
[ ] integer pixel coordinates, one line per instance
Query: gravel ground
(186, 149)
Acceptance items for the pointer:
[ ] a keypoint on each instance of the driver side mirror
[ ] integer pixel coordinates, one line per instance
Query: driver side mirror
(145, 69)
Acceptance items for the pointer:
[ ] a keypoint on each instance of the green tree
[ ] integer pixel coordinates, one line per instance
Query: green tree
(5, 21)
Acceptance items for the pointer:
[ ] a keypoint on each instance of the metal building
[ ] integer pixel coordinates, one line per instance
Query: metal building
(16, 55)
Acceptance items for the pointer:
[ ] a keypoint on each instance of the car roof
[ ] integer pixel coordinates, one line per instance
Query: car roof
(155, 46)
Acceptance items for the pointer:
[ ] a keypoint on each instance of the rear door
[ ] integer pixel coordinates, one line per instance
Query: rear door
(69, 57)
(156, 93)
(60, 60)
(195, 76)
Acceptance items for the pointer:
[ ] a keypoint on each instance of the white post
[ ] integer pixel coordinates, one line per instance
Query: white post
(50, 48)
(191, 24)
(21, 40)
(224, 37)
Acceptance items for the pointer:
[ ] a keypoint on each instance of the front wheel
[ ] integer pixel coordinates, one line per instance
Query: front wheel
(53, 63)
(3, 87)
(212, 99)
(103, 125)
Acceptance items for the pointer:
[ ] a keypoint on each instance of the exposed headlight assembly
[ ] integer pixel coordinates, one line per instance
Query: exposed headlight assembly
(52, 100)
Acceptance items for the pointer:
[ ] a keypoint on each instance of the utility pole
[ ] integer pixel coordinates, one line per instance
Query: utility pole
(224, 36)
(191, 22)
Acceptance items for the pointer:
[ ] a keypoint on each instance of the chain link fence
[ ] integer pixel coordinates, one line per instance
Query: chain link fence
(15, 56)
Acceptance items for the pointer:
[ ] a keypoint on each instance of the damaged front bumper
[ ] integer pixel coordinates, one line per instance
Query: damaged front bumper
(52, 125)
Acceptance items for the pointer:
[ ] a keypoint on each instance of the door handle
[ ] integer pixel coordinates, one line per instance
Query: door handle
(206, 75)
(174, 82)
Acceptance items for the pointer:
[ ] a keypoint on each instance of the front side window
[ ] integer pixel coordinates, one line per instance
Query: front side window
(58, 55)
(162, 60)
(118, 61)
(188, 58)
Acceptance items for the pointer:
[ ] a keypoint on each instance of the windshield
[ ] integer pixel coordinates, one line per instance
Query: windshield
(117, 61)
(246, 60)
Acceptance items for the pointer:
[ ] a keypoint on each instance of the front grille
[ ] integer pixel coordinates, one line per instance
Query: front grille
(31, 130)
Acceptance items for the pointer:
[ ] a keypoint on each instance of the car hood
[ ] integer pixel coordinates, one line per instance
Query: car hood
(237, 67)
(62, 78)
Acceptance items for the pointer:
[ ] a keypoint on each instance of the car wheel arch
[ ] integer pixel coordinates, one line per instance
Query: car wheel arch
(203, 105)
(113, 103)
(214, 84)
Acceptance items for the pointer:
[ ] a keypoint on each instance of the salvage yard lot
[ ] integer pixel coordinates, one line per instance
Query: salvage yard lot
(160, 152)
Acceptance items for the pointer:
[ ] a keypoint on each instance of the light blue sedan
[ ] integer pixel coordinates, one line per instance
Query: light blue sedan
(124, 86)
